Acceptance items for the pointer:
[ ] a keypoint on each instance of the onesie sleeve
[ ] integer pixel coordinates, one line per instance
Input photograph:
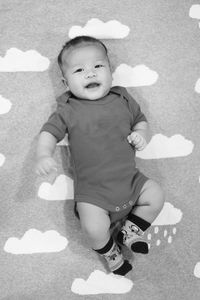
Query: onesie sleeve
(138, 115)
(57, 122)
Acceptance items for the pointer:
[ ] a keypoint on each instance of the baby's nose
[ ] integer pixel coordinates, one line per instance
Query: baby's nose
(90, 74)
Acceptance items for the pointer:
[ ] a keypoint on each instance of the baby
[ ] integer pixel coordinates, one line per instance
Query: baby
(105, 127)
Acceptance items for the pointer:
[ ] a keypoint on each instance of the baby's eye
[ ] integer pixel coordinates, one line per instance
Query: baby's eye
(78, 70)
(99, 66)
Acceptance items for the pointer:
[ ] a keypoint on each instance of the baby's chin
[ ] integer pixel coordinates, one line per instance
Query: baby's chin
(94, 93)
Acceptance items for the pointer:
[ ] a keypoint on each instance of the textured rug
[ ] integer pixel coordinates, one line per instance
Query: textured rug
(154, 51)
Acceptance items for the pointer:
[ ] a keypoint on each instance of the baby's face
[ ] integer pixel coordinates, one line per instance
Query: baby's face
(87, 71)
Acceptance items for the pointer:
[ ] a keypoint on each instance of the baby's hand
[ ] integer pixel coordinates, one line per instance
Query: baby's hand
(45, 165)
(137, 140)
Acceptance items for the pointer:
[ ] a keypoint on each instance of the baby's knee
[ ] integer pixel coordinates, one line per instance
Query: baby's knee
(155, 195)
(95, 229)
(159, 198)
(95, 221)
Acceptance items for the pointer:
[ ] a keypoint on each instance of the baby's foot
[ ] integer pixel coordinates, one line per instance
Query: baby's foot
(130, 235)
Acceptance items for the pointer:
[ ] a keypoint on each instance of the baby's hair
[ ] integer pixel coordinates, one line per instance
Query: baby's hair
(83, 39)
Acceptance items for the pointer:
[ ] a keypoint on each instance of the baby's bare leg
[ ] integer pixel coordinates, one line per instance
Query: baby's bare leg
(150, 202)
(95, 222)
(146, 209)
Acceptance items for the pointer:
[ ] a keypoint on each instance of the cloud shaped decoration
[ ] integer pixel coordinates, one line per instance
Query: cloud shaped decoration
(162, 146)
(61, 189)
(197, 270)
(197, 86)
(195, 11)
(35, 241)
(168, 216)
(2, 159)
(139, 75)
(16, 60)
(101, 283)
(5, 105)
(109, 30)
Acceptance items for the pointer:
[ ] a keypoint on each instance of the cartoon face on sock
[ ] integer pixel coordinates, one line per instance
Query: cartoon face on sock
(87, 72)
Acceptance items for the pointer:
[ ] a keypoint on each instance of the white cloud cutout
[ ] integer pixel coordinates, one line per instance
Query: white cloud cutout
(101, 283)
(168, 216)
(162, 146)
(195, 11)
(34, 241)
(139, 75)
(197, 270)
(2, 159)
(61, 189)
(16, 60)
(5, 105)
(112, 29)
(197, 86)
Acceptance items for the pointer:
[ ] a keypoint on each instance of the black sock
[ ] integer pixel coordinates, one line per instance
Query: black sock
(124, 267)
(138, 221)
(106, 248)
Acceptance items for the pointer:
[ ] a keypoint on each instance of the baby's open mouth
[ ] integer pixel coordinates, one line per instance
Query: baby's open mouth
(92, 85)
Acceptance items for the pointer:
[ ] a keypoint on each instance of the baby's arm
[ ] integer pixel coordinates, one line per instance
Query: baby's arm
(45, 149)
(139, 136)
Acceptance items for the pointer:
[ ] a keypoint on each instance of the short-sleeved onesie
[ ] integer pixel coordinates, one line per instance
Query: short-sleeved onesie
(105, 172)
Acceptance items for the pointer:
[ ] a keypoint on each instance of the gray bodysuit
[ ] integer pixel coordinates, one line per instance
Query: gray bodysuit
(105, 173)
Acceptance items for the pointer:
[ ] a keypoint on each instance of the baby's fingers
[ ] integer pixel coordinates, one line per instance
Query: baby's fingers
(129, 139)
(134, 138)
(141, 145)
(43, 168)
(41, 171)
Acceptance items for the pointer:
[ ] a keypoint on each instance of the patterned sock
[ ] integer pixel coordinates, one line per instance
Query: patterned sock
(131, 234)
(114, 258)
